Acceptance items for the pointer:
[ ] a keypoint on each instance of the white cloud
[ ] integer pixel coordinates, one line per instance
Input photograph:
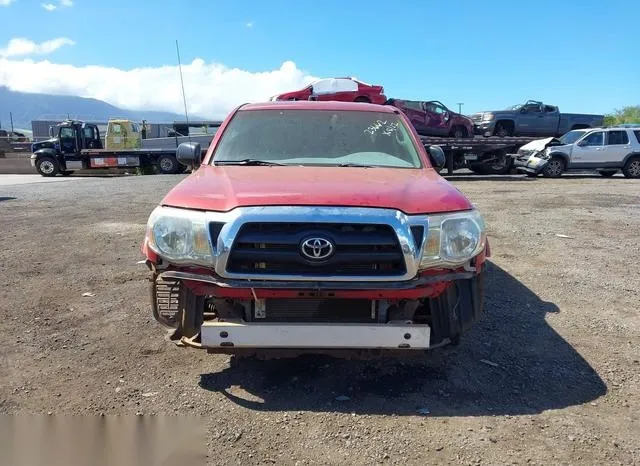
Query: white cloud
(212, 89)
(6, 2)
(250, 24)
(20, 47)
(48, 6)
(66, 2)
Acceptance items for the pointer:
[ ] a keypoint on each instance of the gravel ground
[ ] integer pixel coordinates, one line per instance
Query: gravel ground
(550, 375)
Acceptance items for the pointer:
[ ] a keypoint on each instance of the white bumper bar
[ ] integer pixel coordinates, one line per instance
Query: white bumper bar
(326, 336)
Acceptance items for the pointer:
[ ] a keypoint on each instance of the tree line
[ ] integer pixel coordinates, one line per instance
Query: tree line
(629, 114)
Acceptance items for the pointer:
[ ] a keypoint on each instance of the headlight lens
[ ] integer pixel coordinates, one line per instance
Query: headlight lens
(180, 235)
(487, 117)
(459, 238)
(453, 239)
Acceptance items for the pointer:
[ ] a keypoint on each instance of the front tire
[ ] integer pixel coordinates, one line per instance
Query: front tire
(458, 132)
(47, 166)
(501, 166)
(502, 130)
(191, 314)
(632, 168)
(168, 164)
(554, 168)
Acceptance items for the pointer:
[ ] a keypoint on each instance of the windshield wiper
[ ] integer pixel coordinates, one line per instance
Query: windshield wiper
(351, 164)
(247, 162)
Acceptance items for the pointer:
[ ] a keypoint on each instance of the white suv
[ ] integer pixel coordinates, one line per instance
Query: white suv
(605, 150)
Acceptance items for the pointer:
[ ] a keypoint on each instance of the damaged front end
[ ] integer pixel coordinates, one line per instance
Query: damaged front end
(534, 156)
(386, 287)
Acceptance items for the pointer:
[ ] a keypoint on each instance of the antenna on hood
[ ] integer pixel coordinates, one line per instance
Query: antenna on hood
(184, 98)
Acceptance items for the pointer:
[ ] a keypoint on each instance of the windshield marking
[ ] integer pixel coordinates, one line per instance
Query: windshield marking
(389, 128)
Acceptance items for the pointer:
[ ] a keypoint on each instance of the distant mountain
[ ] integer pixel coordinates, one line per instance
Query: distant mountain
(26, 107)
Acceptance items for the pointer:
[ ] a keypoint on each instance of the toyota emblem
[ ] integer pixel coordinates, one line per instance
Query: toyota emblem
(317, 248)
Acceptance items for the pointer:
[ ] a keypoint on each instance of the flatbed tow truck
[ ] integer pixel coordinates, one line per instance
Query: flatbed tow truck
(76, 145)
(492, 155)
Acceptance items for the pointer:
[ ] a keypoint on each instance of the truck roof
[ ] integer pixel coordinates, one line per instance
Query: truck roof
(319, 105)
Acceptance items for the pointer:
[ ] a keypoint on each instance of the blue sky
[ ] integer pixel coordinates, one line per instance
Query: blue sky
(581, 56)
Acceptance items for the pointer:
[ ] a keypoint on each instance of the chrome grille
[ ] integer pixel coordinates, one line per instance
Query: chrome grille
(274, 248)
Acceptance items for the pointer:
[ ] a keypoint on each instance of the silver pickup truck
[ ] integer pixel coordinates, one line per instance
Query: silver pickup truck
(532, 118)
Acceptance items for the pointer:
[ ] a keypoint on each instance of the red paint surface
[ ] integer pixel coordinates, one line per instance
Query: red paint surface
(375, 93)
(204, 289)
(222, 188)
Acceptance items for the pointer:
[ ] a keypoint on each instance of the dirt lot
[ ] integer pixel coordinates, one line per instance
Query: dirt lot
(551, 375)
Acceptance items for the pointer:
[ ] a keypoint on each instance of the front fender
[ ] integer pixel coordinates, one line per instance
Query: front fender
(45, 152)
(562, 155)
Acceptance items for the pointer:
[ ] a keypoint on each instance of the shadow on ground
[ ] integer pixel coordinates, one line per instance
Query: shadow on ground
(536, 370)
(5, 198)
(474, 177)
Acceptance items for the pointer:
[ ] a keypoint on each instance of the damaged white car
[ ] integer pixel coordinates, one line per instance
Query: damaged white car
(605, 150)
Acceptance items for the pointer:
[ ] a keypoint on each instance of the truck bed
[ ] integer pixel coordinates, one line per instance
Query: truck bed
(124, 152)
(173, 142)
(479, 152)
(122, 158)
(477, 143)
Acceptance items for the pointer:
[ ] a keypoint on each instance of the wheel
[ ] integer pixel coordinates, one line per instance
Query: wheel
(500, 166)
(553, 168)
(502, 130)
(458, 132)
(191, 314)
(47, 166)
(362, 99)
(632, 168)
(608, 173)
(168, 164)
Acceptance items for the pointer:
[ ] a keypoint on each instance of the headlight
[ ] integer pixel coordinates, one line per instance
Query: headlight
(543, 154)
(180, 235)
(487, 117)
(453, 239)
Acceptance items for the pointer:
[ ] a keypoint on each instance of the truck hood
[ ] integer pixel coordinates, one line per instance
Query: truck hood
(478, 116)
(47, 143)
(538, 144)
(223, 188)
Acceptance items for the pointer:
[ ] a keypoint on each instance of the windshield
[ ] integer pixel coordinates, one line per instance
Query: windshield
(570, 137)
(318, 138)
(515, 107)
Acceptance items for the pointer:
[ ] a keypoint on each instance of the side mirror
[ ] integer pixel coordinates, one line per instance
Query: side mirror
(189, 154)
(437, 157)
(50, 131)
(523, 110)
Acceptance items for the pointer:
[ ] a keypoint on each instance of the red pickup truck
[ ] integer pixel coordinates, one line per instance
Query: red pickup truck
(315, 227)
(433, 118)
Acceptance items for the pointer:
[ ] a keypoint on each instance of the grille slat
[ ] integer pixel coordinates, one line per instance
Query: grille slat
(318, 310)
(360, 249)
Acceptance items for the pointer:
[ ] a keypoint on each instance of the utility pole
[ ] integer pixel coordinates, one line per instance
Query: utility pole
(11, 118)
(460, 104)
